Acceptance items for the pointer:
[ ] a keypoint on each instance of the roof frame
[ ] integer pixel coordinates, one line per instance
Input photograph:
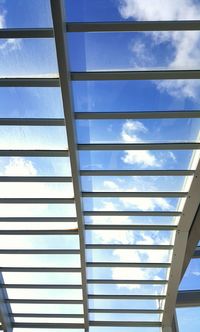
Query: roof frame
(139, 26)
(187, 217)
(5, 309)
(57, 9)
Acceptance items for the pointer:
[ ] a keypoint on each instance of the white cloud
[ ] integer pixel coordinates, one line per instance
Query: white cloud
(130, 130)
(132, 237)
(145, 204)
(130, 134)
(11, 44)
(110, 185)
(138, 203)
(22, 167)
(160, 9)
(142, 57)
(2, 19)
(19, 166)
(143, 158)
(185, 45)
(138, 256)
(16, 167)
(195, 273)
(128, 274)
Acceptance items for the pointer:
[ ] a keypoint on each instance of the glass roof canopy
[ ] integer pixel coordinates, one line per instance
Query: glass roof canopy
(99, 158)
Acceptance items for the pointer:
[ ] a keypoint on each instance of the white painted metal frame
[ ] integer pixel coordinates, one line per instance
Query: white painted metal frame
(180, 245)
(186, 217)
(57, 8)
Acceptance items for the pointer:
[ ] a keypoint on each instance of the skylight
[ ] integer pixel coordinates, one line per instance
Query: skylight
(99, 162)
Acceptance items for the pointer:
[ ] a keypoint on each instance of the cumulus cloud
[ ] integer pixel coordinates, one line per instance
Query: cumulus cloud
(160, 9)
(131, 131)
(143, 158)
(184, 45)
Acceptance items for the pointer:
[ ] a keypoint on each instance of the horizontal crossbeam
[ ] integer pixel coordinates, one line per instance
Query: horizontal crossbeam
(133, 26)
(136, 172)
(139, 146)
(31, 121)
(36, 179)
(34, 153)
(137, 115)
(136, 75)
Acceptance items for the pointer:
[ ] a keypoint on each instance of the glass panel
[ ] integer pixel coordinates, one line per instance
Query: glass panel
(128, 96)
(128, 255)
(127, 160)
(108, 10)
(25, 14)
(28, 57)
(126, 273)
(38, 210)
(125, 317)
(138, 131)
(39, 225)
(35, 166)
(47, 308)
(42, 278)
(62, 294)
(33, 138)
(48, 320)
(188, 319)
(190, 280)
(128, 237)
(42, 190)
(131, 204)
(124, 304)
(49, 329)
(30, 102)
(124, 289)
(135, 50)
(98, 10)
(135, 183)
(39, 242)
(40, 260)
(137, 220)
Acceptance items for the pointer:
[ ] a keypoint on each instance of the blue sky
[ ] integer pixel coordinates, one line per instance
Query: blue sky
(97, 52)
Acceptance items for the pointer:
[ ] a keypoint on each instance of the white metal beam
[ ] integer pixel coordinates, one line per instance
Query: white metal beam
(5, 310)
(180, 245)
(57, 9)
